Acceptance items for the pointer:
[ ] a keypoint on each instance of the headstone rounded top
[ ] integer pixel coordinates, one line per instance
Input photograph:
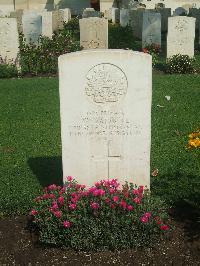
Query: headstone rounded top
(103, 51)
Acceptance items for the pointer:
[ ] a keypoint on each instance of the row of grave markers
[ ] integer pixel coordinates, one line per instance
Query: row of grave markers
(146, 26)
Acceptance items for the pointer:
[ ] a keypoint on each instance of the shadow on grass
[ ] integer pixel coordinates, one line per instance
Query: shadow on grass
(48, 170)
(182, 192)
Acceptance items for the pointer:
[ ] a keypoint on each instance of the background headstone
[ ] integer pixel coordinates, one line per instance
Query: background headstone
(165, 14)
(90, 12)
(94, 33)
(18, 15)
(124, 17)
(180, 11)
(65, 15)
(115, 15)
(195, 13)
(136, 22)
(106, 115)
(32, 26)
(151, 30)
(9, 44)
(49, 23)
(181, 35)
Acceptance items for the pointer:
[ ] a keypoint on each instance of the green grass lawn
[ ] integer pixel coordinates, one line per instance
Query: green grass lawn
(30, 146)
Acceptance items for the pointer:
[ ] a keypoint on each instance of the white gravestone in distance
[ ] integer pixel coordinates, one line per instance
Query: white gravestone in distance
(124, 17)
(94, 33)
(32, 26)
(151, 30)
(105, 105)
(9, 44)
(49, 23)
(181, 35)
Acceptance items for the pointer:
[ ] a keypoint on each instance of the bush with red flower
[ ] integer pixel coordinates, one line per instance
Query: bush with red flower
(104, 216)
(154, 50)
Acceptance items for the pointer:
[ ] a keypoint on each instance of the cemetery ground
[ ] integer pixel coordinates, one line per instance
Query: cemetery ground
(31, 158)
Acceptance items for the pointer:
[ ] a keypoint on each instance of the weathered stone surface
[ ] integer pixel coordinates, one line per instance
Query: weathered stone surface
(32, 26)
(9, 44)
(90, 12)
(165, 14)
(124, 17)
(94, 33)
(105, 104)
(151, 29)
(181, 35)
(115, 15)
(18, 15)
(195, 13)
(49, 23)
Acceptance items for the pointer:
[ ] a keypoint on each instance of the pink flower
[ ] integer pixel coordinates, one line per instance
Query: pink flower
(164, 227)
(112, 206)
(57, 214)
(33, 212)
(123, 204)
(66, 224)
(144, 219)
(147, 214)
(95, 192)
(111, 190)
(51, 196)
(115, 198)
(107, 200)
(94, 205)
(54, 205)
(135, 191)
(61, 191)
(52, 187)
(97, 184)
(60, 200)
(72, 206)
(69, 178)
(136, 200)
(129, 207)
(141, 189)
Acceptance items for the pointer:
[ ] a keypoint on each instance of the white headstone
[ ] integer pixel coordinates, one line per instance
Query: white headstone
(151, 30)
(115, 15)
(32, 26)
(65, 15)
(49, 23)
(124, 17)
(18, 15)
(9, 44)
(94, 33)
(106, 115)
(181, 35)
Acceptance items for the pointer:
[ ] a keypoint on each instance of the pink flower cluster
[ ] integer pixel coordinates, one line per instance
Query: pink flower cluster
(145, 217)
(68, 201)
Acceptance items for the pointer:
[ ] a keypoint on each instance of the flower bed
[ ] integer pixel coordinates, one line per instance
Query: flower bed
(104, 216)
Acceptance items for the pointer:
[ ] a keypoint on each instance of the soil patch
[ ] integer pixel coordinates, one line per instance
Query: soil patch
(19, 247)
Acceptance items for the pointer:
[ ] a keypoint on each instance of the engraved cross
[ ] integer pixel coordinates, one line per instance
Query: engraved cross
(111, 158)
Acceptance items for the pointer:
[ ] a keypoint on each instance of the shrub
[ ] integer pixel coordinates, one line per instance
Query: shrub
(180, 64)
(43, 58)
(7, 70)
(154, 50)
(121, 37)
(101, 217)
